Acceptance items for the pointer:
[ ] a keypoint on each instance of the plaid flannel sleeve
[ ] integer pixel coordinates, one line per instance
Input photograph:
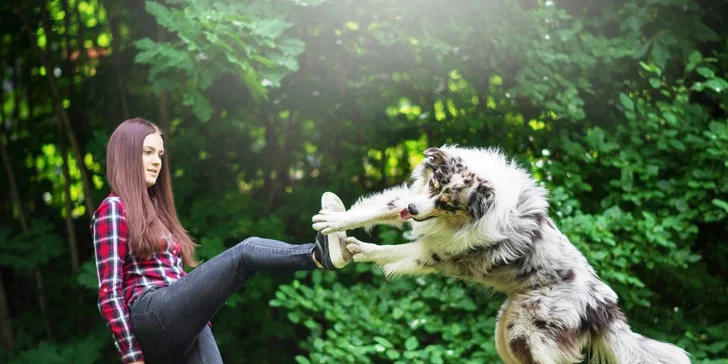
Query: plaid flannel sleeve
(109, 230)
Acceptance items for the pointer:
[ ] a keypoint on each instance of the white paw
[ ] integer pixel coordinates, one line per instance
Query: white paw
(327, 221)
(361, 251)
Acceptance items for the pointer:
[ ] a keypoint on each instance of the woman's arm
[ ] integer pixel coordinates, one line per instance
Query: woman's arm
(109, 230)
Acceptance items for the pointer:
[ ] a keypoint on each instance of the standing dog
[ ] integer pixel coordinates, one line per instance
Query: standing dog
(480, 217)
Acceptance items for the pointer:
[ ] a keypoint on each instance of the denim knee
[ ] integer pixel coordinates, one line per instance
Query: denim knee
(243, 253)
(248, 241)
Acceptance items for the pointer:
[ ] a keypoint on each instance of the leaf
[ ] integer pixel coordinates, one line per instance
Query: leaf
(411, 343)
(717, 127)
(717, 347)
(720, 203)
(87, 276)
(641, 50)
(706, 72)
(393, 354)
(651, 68)
(145, 43)
(384, 342)
(243, 64)
(160, 12)
(270, 28)
(677, 145)
(302, 360)
(210, 247)
(717, 84)
(659, 54)
(291, 47)
(670, 117)
(655, 82)
(627, 179)
(207, 76)
(626, 101)
(199, 103)
(693, 61)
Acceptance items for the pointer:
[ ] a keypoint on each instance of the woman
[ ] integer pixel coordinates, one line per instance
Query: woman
(156, 312)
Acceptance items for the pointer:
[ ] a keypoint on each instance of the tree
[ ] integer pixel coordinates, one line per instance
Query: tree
(618, 107)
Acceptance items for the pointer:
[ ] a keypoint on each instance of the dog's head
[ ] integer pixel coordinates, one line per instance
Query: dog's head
(445, 187)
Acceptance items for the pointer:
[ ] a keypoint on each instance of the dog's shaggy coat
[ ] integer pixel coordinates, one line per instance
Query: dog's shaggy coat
(480, 217)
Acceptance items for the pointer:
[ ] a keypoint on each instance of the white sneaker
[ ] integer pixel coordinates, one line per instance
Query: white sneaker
(331, 249)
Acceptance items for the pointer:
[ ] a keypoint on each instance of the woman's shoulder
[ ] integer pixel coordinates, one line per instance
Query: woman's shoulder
(112, 203)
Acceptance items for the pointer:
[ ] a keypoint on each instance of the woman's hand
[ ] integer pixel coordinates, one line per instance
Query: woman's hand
(137, 362)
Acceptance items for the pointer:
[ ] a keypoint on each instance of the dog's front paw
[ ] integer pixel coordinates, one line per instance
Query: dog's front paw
(328, 222)
(361, 251)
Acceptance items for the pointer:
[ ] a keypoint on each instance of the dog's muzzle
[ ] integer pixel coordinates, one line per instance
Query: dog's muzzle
(410, 211)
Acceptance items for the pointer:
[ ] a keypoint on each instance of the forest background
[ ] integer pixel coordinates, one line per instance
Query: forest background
(617, 106)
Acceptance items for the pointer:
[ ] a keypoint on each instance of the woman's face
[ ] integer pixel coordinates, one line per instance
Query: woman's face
(152, 157)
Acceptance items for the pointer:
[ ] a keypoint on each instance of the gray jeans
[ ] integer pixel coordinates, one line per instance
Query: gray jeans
(170, 323)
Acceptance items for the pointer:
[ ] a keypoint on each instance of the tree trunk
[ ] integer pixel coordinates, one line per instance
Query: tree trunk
(42, 302)
(16, 95)
(14, 195)
(68, 206)
(164, 106)
(59, 110)
(116, 57)
(279, 157)
(82, 58)
(271, 156)
(5, 324)
(13, 185)
(6, 328)
(164, 111)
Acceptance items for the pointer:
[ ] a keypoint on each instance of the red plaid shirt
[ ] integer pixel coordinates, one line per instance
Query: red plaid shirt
(123, 276)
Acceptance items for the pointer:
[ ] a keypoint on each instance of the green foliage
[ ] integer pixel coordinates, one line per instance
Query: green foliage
(216, 39)
(83, 350)
(405, 320)
(618, 107)
(25, 252)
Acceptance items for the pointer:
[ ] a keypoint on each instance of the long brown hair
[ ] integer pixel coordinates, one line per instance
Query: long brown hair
(150, 211)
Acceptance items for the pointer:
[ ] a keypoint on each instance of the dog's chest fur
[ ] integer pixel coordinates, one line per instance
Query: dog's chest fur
(538, 258)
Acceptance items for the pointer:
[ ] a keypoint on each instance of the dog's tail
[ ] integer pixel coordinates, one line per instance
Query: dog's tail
(620, 345)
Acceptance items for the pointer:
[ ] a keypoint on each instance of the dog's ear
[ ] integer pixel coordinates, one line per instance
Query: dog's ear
(435, 157)
(481, 200)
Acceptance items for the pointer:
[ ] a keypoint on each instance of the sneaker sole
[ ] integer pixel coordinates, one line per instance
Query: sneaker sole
(330, 201)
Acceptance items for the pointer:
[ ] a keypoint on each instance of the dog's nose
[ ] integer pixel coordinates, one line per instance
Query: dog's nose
(412, 209)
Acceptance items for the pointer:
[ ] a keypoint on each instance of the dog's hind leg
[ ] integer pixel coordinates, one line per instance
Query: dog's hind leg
(528, 333)
(403, 259)
(501, 340)
(379, 209)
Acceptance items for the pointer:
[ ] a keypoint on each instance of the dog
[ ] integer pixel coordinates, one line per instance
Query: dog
(478, 216)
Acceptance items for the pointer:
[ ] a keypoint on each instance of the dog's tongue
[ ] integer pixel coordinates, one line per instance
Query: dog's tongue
(404, 214)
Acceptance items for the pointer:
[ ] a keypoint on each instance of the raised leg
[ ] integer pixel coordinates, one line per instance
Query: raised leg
(168, 320)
